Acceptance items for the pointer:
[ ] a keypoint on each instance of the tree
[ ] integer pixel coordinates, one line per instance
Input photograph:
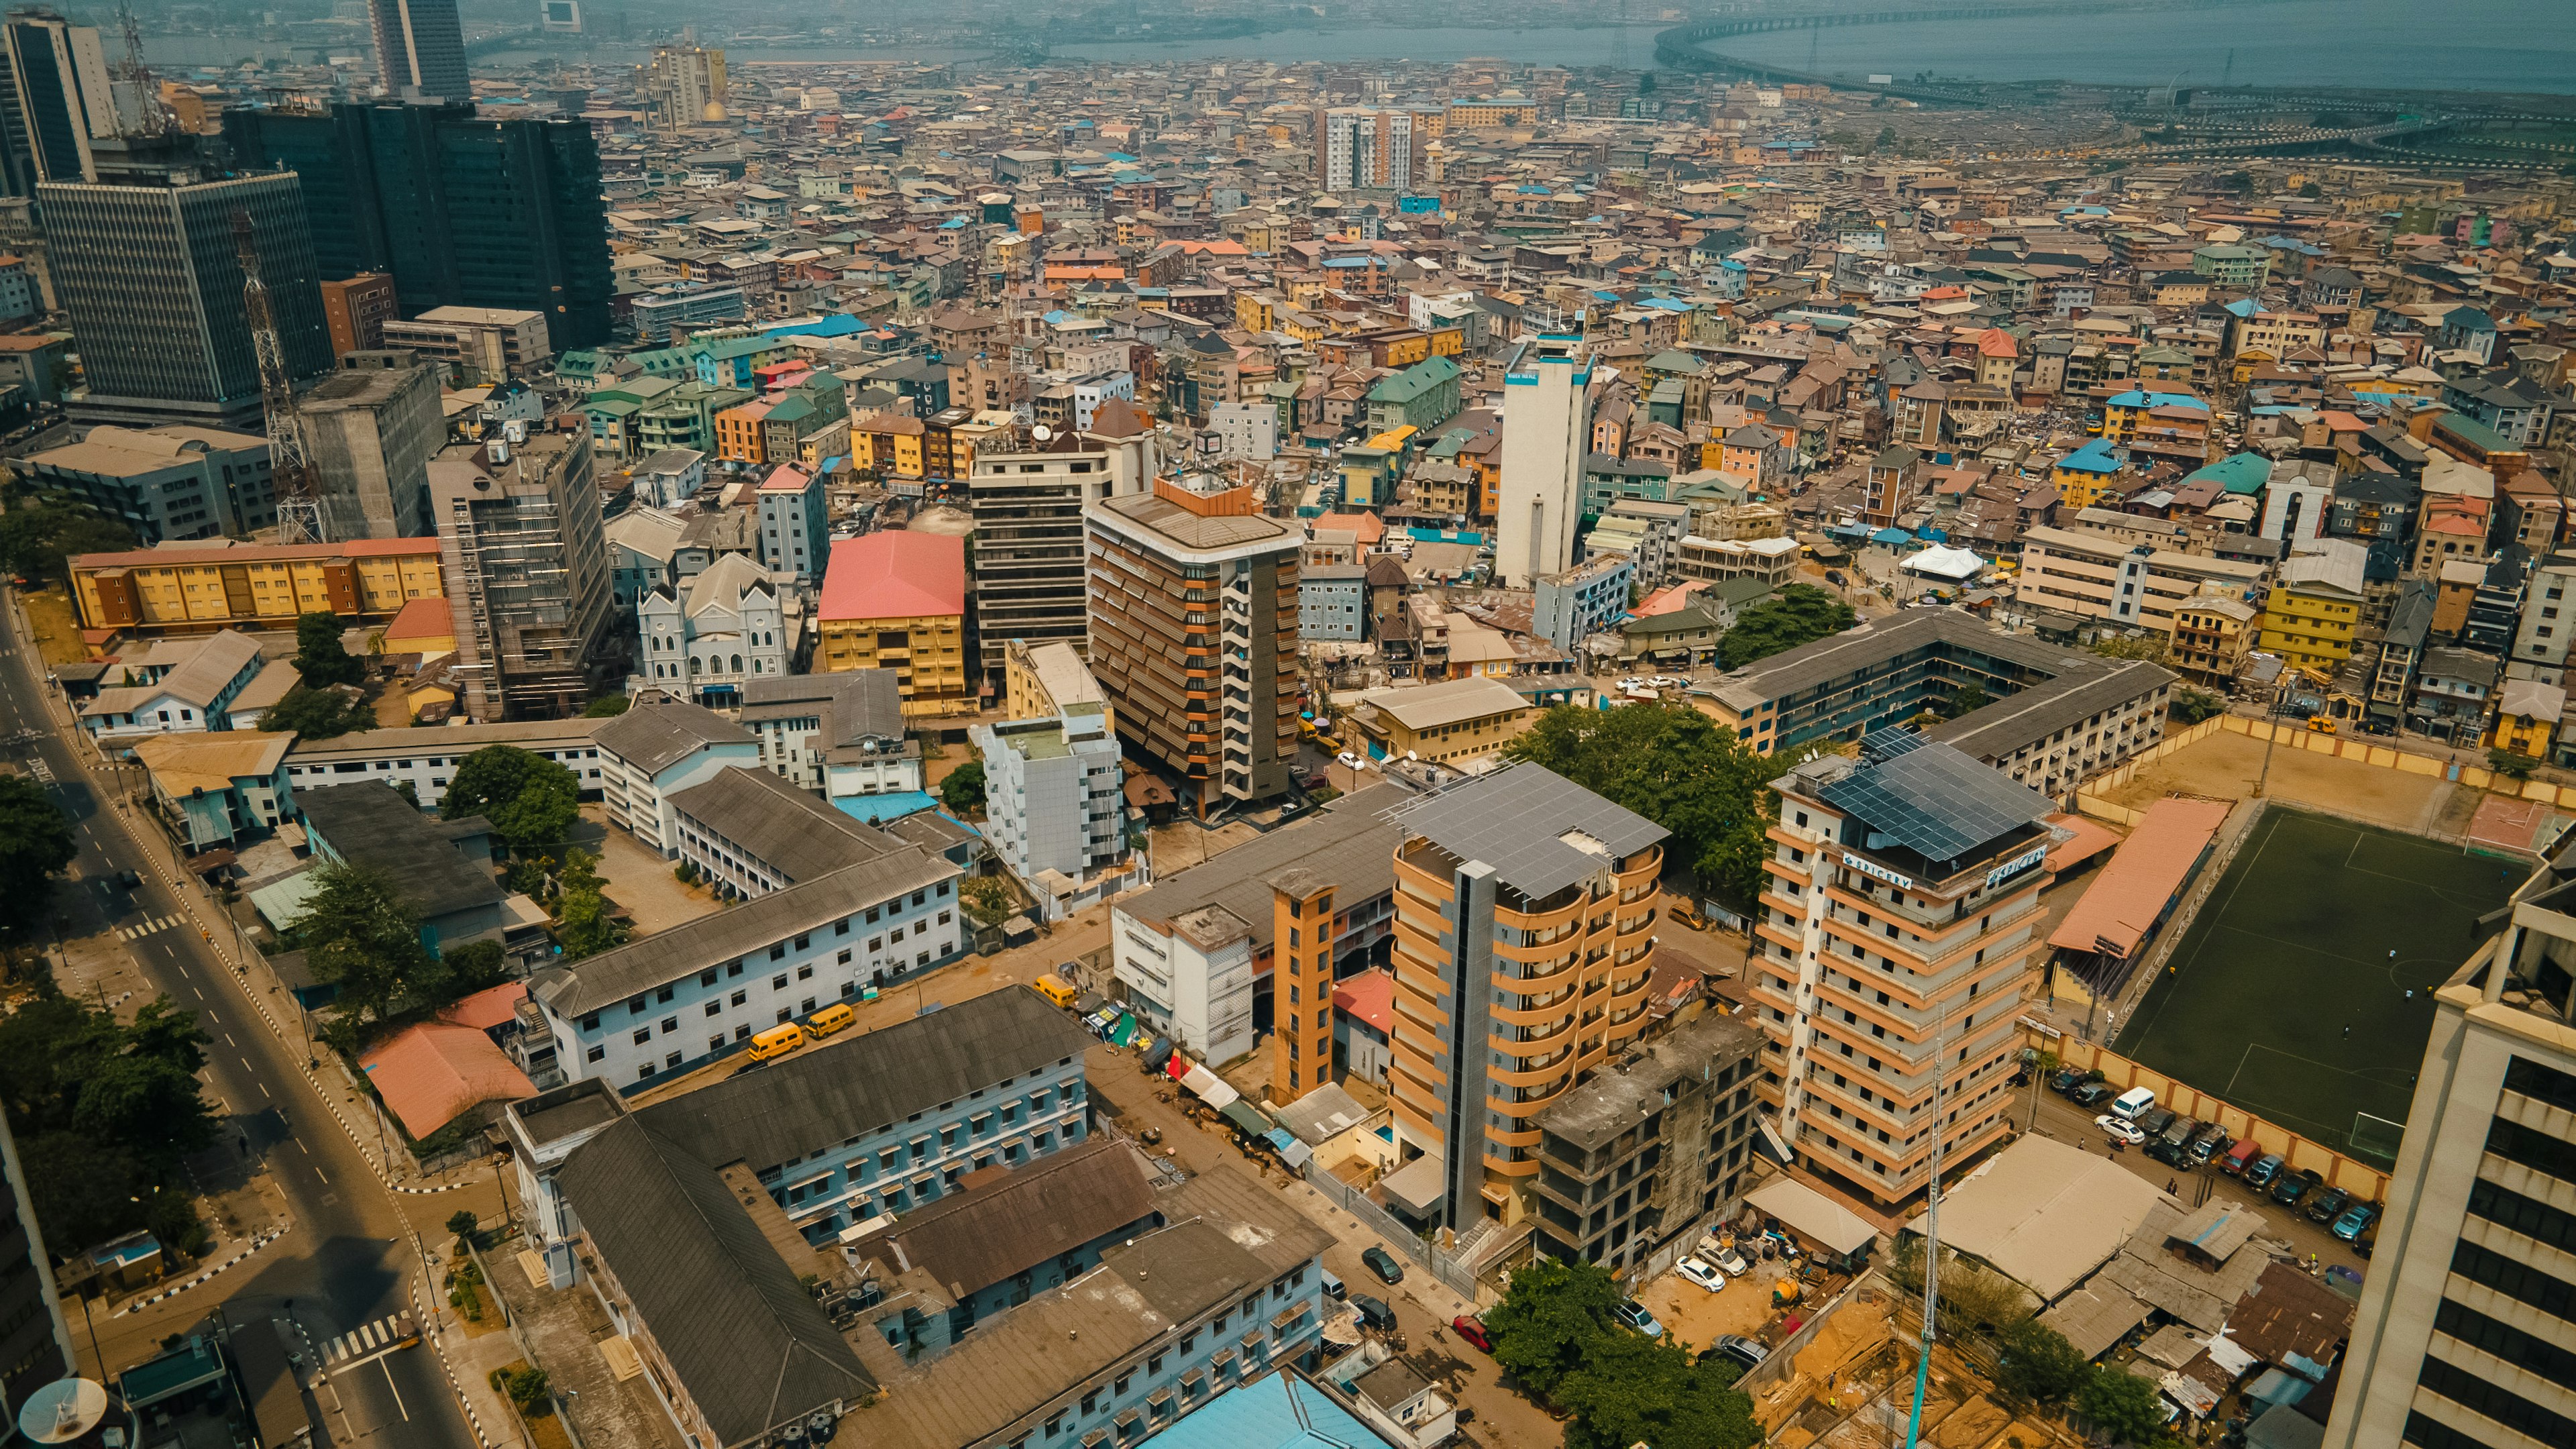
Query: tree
(985, 900)
(1677, 768)
(607, 706)
(359, 934)
(2133, 646)
(2122, 1405)
(2039, 1365)
(319, 655)
(475, 966)
(584, 927)
(35, 846)
(1798, 614)
(2190, 706)
(531, 801)
(1967, 699)
(963, 790)
(2508, 762)
(40, 538)
(464, 1223)
(105, 1115)
(1550, 1319)
(1634, 1390)
(319, 714)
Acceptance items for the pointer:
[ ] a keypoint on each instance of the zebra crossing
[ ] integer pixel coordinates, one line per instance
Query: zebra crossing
(365, 1345)
(144, 928)
(43, 772)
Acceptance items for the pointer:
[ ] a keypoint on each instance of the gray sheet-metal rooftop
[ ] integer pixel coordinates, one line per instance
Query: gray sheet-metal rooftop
(1936, 801)
(789, 830)
(1539, 831)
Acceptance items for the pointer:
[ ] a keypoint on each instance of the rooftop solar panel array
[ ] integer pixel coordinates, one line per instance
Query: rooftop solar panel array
(1886, 744)
(1936, 801)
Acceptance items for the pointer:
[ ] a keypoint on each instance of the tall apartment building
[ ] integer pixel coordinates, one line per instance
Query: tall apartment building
(59, 99)
(526, 568)
(1898, 925)
(1524, 942)
(420, 49)
(1301, 982)
(897, 600)
(2466, 1334)
(476, 344)
(795, 525)
(1544, 437)
(1028, 546)
(1055, 798)
(683, 86)
(147, 267)
(459, 210)
(373, 426)
(1193, 628)
(1366, 148)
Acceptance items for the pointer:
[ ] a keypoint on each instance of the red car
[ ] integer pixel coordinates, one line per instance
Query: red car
(1472, 1331)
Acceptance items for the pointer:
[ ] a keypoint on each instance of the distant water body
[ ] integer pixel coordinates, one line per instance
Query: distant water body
(2486, 45)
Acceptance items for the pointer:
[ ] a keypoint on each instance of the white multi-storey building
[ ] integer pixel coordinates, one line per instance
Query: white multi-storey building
(1543, 446)
(1055, 801)
(706, 639)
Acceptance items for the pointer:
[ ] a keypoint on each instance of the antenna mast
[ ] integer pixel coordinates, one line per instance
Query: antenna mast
(151, 118)
(290, 461)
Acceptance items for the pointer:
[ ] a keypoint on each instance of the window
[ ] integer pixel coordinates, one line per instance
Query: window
(714, 1006)
(778, 982)
(595, 1054)
(643, 1036)
(670, 1024)
(739, 997)
(804, 973)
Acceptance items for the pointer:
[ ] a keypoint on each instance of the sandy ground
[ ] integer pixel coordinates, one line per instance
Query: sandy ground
(638, 879)
(1185, 843)
(1693, 1315)
(2225, 766)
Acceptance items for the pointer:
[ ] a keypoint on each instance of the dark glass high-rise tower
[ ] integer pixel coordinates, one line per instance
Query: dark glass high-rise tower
(148, 267)
(460, 210)
(420, 49)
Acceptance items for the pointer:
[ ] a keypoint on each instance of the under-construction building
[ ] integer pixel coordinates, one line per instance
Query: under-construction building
(525, 564)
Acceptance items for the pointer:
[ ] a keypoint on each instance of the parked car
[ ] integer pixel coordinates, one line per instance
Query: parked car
(1373, 1313)
(2325, 1207)
(2152, 1121)
(2239, 1156)
(2120, 1129)
(1703, 1274)
(2172, 1146)
(1351, 761)
(2089, 1093)
(1731, 1262)
(1472, 1330)
(2209, 1142)
(1383, 1264)
(2265, 1168)
(131, 880)
(1333, 1285)
(1634, 1314)
(2067, 1079)
(1746, 1351)
(2355, 1221)
(2294, 1185)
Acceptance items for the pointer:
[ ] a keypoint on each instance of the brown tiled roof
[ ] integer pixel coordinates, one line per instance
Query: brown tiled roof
(1021, 1218)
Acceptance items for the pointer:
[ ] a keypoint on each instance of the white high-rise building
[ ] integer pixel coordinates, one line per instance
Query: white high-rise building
(1543, 438)
(1054, 797)
(1365, 149)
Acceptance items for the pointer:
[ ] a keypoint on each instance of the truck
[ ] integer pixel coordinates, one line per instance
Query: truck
(271, 1398)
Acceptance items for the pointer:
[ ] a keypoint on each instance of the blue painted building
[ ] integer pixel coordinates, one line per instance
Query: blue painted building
(1332, 602)
(1567, 608)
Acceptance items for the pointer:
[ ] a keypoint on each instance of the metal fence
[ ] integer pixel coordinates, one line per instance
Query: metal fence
(1449, 1270)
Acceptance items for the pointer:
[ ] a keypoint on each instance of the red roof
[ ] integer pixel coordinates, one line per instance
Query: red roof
(487, 1009)
(1667, 599)
(896, 575)
(422, 618)
(1370, 997)
(433, 1073)
(2140, 879)
(786, 480)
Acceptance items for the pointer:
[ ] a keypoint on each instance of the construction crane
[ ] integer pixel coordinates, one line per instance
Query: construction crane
(290, 458)
(150, 117)
(1931, 1252)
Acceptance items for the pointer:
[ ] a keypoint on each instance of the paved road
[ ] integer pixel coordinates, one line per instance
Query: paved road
(348, 1260)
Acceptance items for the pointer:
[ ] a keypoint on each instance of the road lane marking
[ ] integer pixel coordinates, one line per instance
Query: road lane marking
(326, 1178)
(145, 928)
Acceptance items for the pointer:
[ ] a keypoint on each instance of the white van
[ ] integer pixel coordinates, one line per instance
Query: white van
(2133, 1103)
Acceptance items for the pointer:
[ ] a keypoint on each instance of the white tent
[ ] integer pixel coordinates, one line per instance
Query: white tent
(1957, 565)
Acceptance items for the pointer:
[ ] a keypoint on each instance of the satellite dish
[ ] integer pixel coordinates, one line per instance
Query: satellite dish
(1041, 432)
(62, 1411)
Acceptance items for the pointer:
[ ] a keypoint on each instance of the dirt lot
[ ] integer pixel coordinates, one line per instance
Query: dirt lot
(2226, 766)
(57, 632)
(638, 879)
(1693, 1315)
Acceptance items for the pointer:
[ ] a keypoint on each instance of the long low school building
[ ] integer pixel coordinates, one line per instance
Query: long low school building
(428, 755)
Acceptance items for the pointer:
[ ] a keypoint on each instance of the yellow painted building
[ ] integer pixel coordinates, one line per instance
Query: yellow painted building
(252, 586)
(2309, 616)
(897, 600)
(1463, 719)
(2527, 718)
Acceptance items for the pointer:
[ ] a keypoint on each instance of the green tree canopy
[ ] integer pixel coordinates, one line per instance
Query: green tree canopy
(584, 927)
(319, 655)
(607, 706)
(105, 1114)
(2190, 706)
(2122, 1405)
(38, 539)
(318, 714)
(1634, 1390)
(963, 790)
(1551, 1317)
(531, 801)
(35, 846)
(2040, 1366)
(1679, 769)
(359, 934)
(1798, 614)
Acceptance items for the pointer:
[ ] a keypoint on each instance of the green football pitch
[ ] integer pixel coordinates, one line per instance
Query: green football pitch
(2288, 995)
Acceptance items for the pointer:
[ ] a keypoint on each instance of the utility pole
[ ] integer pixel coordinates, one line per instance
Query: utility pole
(290, 459)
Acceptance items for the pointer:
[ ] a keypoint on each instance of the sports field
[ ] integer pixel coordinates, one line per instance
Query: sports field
(2288, 996)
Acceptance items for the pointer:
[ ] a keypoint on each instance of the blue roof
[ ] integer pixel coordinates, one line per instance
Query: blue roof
(2237, 473)
(2244, 307)
(840, 324)
(952, 223)
(1275, 1412)
(877, 809)
(2138, 399)
(1891, 535)
(2098, 456)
